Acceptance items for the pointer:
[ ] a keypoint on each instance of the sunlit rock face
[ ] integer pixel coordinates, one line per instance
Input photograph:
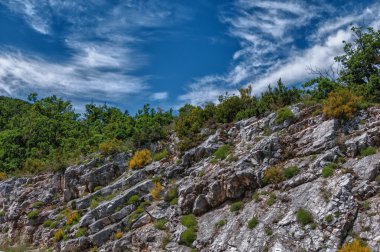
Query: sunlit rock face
(234, 205)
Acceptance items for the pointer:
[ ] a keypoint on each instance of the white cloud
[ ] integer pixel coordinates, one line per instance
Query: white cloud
(20, 73)
(296, 69)
(160, 96)
(101, 40)
(267, 31)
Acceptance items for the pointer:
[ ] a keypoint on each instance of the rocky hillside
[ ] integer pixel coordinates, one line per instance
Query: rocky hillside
(308, 184)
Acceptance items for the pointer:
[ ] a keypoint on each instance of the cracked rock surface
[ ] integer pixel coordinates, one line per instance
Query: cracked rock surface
(91, 203)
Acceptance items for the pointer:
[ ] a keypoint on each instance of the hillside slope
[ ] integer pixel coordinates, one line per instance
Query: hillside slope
(307, 184)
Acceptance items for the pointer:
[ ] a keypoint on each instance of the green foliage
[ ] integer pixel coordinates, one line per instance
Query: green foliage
(327, 171)
(268, 230)
(273, 175)
(272, 199)
(38, 204)
(368, 151)
(94, 203)
(360, 60)
(33, 214)
(220, 223)
(111, 147)
(48, 134)
(283, 114)
(160, 155)
(222, 152)
(304, 217)
(58, 235)
(236, 206)
(133, 200)
(160, 224)
(171, 194)
(378, 179)
(329, 218)
(81, 232)
(256, 197)
(252, 223)
(189, 221)
(188, 236)
(290, 172)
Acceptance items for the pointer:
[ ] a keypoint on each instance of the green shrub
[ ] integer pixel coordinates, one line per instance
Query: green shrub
(171, 194)
(273, 175)
(256, 197)
(33, 214)
(189, 221)
(2, 213)
(38, 204)
(268, 230)
(368, 151)
(160, 155)
(94, 203)
(47, 223)
(304, 217)
(236, 206)
(133, 200)
(81, 232)
(327, 171)
(160, 224)
(378, 179)
(188, 237)
(222, 152)
(252, 223)
(220, 223)
(290, 172)
(58, 235)
(272, 199)
(329, 218)
(111, 147)
(97, 188)
(174, 201)
(282, 115)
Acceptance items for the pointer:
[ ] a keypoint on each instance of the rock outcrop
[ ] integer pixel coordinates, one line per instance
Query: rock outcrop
(101, 205)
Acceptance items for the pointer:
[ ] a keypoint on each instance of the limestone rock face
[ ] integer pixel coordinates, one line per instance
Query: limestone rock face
(101, 203)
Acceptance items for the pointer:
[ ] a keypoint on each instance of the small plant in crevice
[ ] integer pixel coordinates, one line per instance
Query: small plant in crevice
(236, 206)
(118, 235)
(140, 159)
(272, 199)
(160, 155)
(155, 192)
(190, 234)
(133, 200)
(329, 218)
(160, 224)
(304, 217)
(370, 150)
(220, 223)
(252, 223)
(291, 171)
(273, 175)
(283, 114)
(268, 230)
(33, 214)
(222, 153)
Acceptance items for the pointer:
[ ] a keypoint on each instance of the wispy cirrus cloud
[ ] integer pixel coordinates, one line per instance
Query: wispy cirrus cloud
(280, 40)
(103, 42)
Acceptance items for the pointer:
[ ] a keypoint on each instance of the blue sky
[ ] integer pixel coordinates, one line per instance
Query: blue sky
(168, 53)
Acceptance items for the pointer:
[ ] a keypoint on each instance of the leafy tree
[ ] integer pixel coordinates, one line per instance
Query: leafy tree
(362, 57)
